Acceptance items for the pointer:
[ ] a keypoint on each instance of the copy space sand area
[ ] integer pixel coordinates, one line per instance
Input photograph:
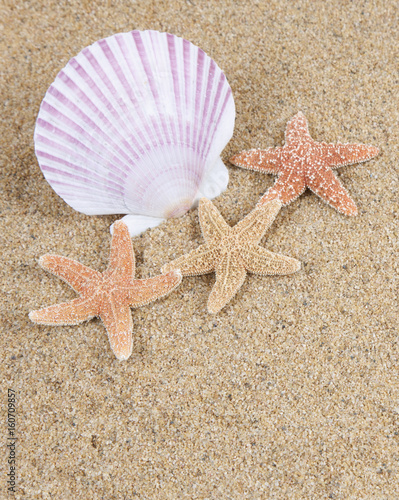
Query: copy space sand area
(292, 390)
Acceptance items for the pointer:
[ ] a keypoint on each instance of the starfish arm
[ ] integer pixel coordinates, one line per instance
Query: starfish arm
(71, 271)
(213, 226)
(339, 155)
(230, 275)
(268, 160)
(201, 260)
(68, 313)
(117, 319)
(287, 188)
(144, 291)
(121, 260)
(254, 225)
(326, 185)
(258, 260)
(297, 130)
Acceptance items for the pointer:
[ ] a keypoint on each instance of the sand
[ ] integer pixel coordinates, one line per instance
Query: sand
(292, 390)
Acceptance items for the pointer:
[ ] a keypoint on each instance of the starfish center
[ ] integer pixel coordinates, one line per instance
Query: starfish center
(303, 150)
(230, 241)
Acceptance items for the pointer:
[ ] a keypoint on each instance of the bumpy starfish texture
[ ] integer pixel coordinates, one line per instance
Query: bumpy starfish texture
(233, 251)
(303, 162)
(109, 294)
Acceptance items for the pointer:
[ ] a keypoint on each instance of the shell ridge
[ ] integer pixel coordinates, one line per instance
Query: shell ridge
(209, 91)
(51, 167)
(187, 102)
(85, 172)
(86, 109)
(204, 114)
(81, 192)
(153, 126)
(64, 146)
(53, 172)
(116, 102)
(76, 130)
(148, 128)
(81, 73)
(215, 110)
(113, 63)
(163, 50)
(177, 64)
(155, 74)
(123, 98)
(64, 143)
(189, 63)
(216, 113)
(203, 105)
(227, 113)
(160, 59)
(179, 48)
(146, 66)
(198, 96)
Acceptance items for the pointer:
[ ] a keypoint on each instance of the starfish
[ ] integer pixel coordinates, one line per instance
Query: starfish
(109, 294)
(232, 251)
(303, 162)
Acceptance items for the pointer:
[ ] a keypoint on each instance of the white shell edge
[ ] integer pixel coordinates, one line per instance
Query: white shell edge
(214, 182)
(137, 224)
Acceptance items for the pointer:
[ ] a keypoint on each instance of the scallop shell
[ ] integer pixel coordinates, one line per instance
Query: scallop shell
(135, 124)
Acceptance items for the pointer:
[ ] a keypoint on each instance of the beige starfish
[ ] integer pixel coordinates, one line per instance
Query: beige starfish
(232, 251)
(302, 162)
(109, 294)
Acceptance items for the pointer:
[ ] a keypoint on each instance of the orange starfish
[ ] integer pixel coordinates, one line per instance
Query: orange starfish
(303, 162)
(109, 294)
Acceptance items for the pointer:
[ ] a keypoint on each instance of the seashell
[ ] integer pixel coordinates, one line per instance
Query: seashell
(135, 124)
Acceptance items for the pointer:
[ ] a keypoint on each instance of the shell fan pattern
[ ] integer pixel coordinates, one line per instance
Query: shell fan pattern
(135, 124)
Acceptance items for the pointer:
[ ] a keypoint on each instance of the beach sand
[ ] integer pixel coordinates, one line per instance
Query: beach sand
(292, 390)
